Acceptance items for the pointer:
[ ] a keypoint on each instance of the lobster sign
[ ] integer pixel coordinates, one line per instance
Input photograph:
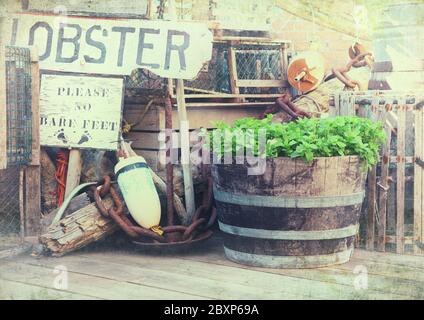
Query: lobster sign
(112, 46)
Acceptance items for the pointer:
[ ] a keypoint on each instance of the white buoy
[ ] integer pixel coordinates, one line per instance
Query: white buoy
(139, 192)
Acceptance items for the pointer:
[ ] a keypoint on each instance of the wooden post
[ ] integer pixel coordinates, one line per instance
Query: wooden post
(384, 188)
(419, 181)
(184, 135)
(258, 70)
(232, 69)
(185, 150)
(400, 180)
(284, 61)
(31, 174)
(3, 110)
(149, 12)
(372, 181)
(35, 81)
(74, 171)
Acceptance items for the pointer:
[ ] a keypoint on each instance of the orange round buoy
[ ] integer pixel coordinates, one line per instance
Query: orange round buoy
(306, 71)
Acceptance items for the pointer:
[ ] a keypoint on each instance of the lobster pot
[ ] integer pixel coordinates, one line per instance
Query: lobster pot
(294, 215)
(398, 48)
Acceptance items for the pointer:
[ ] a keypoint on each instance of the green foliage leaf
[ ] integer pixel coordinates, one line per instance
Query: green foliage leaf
(305, 138)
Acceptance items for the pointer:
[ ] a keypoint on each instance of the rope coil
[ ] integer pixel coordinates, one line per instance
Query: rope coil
(62, 158)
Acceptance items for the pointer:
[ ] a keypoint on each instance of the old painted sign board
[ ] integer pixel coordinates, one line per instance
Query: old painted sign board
(112, 46)
(80, 111)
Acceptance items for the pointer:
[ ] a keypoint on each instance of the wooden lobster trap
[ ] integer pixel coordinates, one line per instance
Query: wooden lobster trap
(394, 203)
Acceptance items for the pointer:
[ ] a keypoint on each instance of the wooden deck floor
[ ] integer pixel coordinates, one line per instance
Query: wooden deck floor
(107, 273)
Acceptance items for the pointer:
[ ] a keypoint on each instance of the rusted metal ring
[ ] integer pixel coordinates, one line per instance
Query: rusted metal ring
(212, 218)
(118, 220)
(148, 233)
(99, 203)
(104, 190)
(192, 227)
(171, 229)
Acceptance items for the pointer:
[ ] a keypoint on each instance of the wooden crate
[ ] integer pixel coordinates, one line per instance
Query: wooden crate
(146, 135)
(388, 221)
(205, 106)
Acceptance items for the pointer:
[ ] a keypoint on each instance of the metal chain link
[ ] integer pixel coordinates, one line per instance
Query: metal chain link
(187, 233)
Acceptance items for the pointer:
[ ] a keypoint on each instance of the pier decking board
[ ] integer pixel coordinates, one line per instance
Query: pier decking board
(105, 272)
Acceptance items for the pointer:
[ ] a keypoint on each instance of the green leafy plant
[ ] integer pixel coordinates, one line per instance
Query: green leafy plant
(304, 138)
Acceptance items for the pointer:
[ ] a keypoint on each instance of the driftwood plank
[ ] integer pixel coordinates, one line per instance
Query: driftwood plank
(79, 229)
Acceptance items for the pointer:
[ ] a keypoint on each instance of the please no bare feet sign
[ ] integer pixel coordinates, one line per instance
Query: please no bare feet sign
(79, 111)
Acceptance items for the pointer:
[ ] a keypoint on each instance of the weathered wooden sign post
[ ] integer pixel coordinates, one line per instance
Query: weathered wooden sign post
(112, 46)
(175, 50)
(80, 111)
(184, 135)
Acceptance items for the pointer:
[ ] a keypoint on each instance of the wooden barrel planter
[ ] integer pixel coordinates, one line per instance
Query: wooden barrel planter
(295, 215)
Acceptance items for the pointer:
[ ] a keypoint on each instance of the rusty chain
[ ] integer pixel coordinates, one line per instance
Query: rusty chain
(134, 231)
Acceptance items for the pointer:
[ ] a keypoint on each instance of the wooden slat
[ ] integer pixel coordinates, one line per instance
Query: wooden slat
(393, 239)
(422, 180)
(155, 159)
(250, 40)
(284, 61)
(3, 110)
(381, 275)
(400, 182)
(232, 70)
(230, 95)
(227, 104)
(418, 181)
(32, 201)
(74, 171)
(406, 160)
(35, 97)
(383, 190)
(206, 116)
(264, 283)
(13, 290)
(145, 140)
(150, 121)
(198, 117)
(331, 181)
(174, 277)
(32, 174)
(185, 149)
(40, 273)
(372, 188)
(261, 83)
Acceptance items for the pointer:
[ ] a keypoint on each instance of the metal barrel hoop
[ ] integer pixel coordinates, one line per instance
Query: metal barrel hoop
(116, 213)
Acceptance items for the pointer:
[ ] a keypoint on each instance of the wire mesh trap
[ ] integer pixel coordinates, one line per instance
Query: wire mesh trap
(18, 105)
(18, 135)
